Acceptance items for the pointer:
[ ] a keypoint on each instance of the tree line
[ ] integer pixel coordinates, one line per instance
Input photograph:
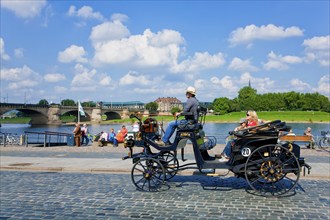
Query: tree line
(248, 98)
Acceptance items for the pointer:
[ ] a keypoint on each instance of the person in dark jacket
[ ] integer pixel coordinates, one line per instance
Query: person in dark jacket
(190, 107)
(77, 134)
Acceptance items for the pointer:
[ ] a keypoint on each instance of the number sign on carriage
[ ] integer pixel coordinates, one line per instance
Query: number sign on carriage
(246, 152)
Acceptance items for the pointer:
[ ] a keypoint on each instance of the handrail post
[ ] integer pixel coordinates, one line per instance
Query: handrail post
(45, 139)
(4, 140)
(26, 140)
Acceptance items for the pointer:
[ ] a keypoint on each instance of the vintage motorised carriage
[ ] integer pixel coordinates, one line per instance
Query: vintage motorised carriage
(270, 167)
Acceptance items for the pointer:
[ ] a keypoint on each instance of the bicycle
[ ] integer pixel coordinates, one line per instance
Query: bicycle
(324, 141)
(9, 138)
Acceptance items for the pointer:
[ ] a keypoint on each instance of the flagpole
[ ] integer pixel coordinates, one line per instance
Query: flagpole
(78, 113)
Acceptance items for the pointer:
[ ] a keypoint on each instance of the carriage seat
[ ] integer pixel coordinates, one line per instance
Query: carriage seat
(189, 125)
(268, 129)
(193, 125)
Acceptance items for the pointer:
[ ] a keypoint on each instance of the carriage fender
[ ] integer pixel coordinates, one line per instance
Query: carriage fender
(182, 143)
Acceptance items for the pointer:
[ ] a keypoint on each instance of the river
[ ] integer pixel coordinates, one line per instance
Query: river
(219, 130)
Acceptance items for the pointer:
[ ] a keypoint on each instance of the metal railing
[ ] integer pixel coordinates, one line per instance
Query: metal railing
(47, 138)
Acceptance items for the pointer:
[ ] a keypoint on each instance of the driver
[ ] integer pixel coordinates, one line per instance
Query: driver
(190, 107)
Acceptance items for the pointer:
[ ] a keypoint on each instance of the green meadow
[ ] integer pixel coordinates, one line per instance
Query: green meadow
(288, 116)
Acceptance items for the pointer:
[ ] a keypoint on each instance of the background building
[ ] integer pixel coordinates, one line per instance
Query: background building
(166, 104)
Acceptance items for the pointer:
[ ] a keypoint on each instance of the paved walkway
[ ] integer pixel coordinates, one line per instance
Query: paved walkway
(108, 160)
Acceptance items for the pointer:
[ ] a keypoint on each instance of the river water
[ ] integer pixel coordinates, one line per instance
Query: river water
(219, 130)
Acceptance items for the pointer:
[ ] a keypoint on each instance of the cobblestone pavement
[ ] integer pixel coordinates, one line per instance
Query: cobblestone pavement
(47, 195)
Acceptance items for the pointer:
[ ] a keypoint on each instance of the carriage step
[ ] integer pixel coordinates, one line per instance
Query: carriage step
(207, 171)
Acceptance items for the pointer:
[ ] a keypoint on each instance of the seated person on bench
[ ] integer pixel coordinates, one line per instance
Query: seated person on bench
(308, 132)
(190, 107)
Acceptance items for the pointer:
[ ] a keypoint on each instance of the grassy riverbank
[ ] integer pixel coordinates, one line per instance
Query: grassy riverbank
(288, 116)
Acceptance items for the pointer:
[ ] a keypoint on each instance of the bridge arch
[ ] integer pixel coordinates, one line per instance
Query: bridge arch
(87, 117)
(37, 118)
(112, 115)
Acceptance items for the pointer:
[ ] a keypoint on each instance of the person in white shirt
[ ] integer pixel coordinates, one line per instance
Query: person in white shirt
(103, 138)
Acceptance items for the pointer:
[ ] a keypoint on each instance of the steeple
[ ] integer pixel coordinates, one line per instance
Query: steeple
(249, 83)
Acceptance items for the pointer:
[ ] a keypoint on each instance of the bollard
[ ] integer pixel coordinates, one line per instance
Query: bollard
(45, 139)
(22, 139)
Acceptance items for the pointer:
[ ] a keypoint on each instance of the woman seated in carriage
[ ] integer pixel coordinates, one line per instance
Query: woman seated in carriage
(250, 120)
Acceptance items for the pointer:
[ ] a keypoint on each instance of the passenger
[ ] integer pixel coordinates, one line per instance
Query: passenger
(103, 139)
(191, 106)
(84, 132)
(111, 136)
(308, 132)
(77, 134)
(251, 120)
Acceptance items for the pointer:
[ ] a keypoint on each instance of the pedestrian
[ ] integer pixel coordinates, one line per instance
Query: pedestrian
(84, 133)
(77, 134)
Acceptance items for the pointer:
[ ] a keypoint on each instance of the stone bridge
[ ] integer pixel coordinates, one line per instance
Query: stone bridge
(51, 114)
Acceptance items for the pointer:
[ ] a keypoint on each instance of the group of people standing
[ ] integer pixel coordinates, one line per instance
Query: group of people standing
(80, 135)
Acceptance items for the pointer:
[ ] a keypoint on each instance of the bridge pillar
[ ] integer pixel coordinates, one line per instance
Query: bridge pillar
(96, 116)
(125, 114)
(54, 115)
(146, 113)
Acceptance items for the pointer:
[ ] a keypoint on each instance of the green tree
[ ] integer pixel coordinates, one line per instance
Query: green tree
(43, 102)
(222, 105)
(175, 110)
(68, 102)
(88, 104)
(291, 100)
(152, 106)
(247, 98)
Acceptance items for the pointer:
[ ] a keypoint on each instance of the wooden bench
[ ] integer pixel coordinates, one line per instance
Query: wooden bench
(297, 138)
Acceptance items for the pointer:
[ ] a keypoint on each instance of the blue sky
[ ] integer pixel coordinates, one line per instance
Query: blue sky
(142, 50)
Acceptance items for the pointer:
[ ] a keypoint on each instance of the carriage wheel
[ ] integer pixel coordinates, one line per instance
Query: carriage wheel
(272, 170)
(148, 174)
(170, 163)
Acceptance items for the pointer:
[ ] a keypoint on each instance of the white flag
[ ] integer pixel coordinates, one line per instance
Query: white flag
(80, 109)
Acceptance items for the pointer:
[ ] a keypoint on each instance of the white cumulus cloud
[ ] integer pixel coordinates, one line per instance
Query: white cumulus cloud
(72, 54)
(54, 77)
(318, 48)
(252, 32)
(85, 12)
(225, 82)
(324, 85)
(24, 9)
(134, 78)
(20, 78)
(200, 61)
(107, 32)
(148, 49)
(299, 85)
(280, 62)
(3, 54)
(240, 65)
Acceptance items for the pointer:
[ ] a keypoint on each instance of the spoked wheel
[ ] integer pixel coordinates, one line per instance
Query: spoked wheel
(148, 174)
(272, 170)
(170, 163)
(324, 143)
